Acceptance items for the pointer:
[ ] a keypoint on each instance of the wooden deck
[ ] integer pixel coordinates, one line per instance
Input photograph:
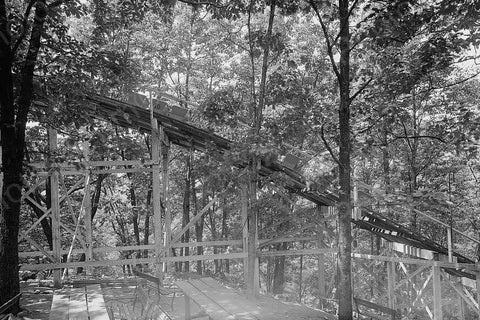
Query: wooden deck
(222, 303)
(85, 302)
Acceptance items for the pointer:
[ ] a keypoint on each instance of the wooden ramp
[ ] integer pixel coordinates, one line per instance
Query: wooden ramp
(83, 303)
(221, 303)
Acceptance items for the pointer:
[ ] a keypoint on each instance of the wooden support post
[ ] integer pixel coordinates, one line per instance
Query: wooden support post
(356, 212)
(188, 313)
(55, 207)
(477, 282)
(391, 276)
(156, 197)
(88, 212)
(321, 212)
(253, 263)
(437, 293)
(244, 215)
(164, 200)
(450, 244)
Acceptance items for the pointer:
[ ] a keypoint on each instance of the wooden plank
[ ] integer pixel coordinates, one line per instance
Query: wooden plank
(235, 304)
(375, 306)
(77, 308)
(96, 303)
(60, 302)
(211, 307)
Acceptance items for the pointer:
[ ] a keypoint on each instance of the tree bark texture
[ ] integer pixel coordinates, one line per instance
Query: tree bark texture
(345, 207)
(12, 125)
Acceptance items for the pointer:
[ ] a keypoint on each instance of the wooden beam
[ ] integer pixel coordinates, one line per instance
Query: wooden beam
(190, 224)
(444, 264)
(210, 257)
(321, 213)
(88, 211)
(165, 207)
(39, 247)
(156, 133)
(75, 264)
(391, 278)
(298, 252)
(477, 280)
(37, 222)
(244, 220)
(437, 293)
(55, 207)
(458, 288)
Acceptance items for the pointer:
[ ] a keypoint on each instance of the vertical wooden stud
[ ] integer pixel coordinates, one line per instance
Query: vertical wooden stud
(477, 282)
(450, 244)
(321, 212)
(253, 276)
(55, 213)
(88, 211)
(156, 200)
(164, 200)
(188, 314)
(391, 276)
(244, 214)
(437, 293)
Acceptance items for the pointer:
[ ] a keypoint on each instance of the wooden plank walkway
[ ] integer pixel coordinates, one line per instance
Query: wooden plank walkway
(222, 303)
(83, 303)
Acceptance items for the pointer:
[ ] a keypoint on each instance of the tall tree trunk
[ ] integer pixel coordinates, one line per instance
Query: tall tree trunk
(12, 127)
(263, 79)
(345, 206)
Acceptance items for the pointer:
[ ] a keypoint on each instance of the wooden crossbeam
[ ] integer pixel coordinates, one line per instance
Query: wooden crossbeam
(467, 298)
(35, 203)
(295, 252)
(34, 187)
(47, 213)
(189, 225)
(421, 291)
(36, 245)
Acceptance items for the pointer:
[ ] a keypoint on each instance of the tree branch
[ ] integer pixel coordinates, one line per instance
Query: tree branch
(359, 91)
(24, 26)
(327, 39)
(198, 3)
(419, 137)
(329, 149)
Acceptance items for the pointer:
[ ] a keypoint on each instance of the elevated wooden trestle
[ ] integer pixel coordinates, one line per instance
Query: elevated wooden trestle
(166, 128)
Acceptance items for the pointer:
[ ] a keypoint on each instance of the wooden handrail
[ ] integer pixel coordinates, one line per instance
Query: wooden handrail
(7, 305)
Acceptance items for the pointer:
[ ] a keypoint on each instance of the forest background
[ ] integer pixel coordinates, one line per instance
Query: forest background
(381, 92)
